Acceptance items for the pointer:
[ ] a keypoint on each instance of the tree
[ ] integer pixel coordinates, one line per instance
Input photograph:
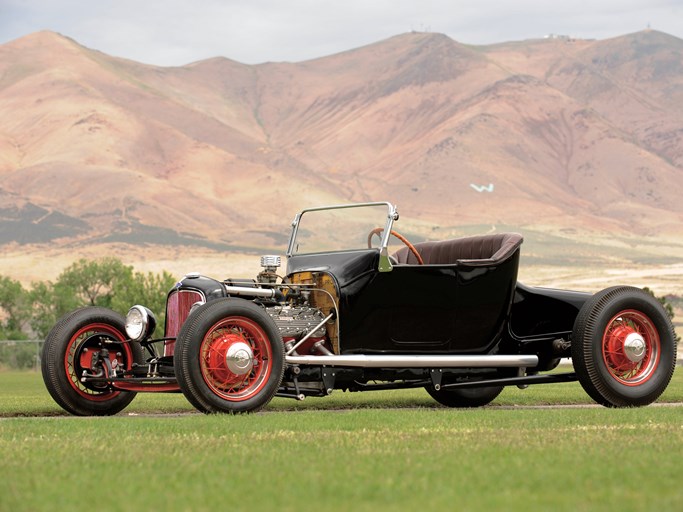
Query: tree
(105, 282)
(15, 307)
(149, 290)
(49, 302)
(94, 282)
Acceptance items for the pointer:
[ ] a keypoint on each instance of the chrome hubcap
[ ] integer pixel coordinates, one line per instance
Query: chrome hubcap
(239, 358)
(634, 347)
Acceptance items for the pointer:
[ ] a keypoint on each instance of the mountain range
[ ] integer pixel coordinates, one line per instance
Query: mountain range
(558, 134)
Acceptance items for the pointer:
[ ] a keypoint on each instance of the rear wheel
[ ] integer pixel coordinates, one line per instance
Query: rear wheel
(80, 342)
(229, 357)
(623, 347)
(465, 397)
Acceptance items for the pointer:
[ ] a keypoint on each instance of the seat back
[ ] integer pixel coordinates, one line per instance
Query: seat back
(474, 250)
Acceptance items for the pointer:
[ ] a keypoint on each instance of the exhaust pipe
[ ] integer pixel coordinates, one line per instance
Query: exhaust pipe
(386, 361)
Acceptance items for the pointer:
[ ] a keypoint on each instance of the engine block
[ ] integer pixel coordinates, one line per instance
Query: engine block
(297, 321)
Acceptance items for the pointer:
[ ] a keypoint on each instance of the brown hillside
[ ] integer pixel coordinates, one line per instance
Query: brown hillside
(569, 134)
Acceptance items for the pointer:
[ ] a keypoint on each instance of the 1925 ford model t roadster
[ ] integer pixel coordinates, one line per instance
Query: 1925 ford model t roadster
(448, 316)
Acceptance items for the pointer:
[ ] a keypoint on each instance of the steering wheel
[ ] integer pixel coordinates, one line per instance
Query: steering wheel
(403, 239)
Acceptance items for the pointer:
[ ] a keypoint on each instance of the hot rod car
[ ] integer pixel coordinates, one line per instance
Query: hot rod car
(448, 316)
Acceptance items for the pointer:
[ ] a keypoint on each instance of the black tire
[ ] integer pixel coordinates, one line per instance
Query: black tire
(623, 347)
(465, 397)
(212, 379)
(72, 336)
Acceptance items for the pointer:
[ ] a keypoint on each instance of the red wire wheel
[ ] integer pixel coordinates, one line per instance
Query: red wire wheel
(631, 348)
(236, 358)
(229, 357)
(73, 346)
(623, 347)
(78, 357)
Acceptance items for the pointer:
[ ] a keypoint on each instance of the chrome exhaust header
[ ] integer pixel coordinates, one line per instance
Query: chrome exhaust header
(436, 361)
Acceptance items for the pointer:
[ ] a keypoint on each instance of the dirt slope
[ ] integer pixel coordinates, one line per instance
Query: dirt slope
(550, 134)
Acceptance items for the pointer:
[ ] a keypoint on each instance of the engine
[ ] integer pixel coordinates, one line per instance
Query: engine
(297, 321)
(303, 324)
(303, 307)
(310, 297)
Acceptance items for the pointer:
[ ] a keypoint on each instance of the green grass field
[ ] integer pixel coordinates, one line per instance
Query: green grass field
(370, 451)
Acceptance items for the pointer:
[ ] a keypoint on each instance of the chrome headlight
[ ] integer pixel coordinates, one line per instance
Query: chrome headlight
(140, 323)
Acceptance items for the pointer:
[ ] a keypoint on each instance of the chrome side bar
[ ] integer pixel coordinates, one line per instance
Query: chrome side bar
(438, 361)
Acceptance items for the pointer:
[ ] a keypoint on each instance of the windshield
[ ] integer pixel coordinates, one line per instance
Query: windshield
(340, 228)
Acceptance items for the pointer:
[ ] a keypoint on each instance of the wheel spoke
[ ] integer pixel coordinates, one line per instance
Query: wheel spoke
(241, 332)
(89, 338)
(621, 328)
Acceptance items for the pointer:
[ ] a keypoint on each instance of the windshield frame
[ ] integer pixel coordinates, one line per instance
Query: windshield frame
(392, 215)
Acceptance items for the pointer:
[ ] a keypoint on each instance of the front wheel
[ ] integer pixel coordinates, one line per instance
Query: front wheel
(623, 347)
(229, 357)
(465, 397)
(79, 342)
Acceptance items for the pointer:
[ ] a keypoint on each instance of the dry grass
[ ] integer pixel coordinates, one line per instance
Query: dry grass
(29, 264)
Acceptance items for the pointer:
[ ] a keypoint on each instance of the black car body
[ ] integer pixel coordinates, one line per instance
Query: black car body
(448, 316)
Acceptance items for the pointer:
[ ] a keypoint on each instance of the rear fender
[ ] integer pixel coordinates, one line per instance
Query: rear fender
(544, 312)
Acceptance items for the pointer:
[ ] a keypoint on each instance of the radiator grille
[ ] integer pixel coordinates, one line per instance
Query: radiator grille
(178, 308)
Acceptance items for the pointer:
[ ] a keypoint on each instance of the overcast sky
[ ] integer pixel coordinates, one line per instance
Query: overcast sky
(176, 32)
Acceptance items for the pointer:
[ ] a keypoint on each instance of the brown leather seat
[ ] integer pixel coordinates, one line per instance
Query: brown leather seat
(474, 250)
